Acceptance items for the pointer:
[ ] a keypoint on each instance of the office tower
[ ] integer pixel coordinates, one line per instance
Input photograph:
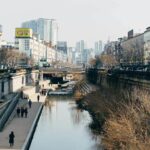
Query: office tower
(47, 29)
(62, 46)
(98, 48)
(80, 46)
(85, 56)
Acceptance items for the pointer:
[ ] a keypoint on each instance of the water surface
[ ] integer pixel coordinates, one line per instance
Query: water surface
(64, 127)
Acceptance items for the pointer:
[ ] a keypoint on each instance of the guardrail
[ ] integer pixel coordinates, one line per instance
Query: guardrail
(8, 111)
(3, 107)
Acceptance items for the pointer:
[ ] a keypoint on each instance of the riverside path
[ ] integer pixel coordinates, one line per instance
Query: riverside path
(21, 126)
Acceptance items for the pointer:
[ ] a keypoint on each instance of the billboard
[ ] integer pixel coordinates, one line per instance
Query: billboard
(23, 33)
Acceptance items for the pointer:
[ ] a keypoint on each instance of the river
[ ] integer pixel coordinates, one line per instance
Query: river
(62, 126)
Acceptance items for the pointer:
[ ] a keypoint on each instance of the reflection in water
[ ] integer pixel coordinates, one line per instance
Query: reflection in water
(63, 127)
(77, 115)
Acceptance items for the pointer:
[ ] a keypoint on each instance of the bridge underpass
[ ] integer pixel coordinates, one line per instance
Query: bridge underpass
(71, 73)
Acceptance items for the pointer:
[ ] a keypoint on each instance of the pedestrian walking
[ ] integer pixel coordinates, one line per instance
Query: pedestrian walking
(11, 139)
(30, 103)
(22, 112)
(18, 111)
(45, 92)
(22, 95)
(42, 92)
(38, 98)
(26, 111)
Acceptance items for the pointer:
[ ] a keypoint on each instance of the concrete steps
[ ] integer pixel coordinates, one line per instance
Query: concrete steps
(84, 87)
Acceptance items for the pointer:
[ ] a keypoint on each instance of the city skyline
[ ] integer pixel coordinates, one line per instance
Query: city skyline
(79, 20)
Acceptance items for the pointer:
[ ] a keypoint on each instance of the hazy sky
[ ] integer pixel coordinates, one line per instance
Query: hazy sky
(89, 20)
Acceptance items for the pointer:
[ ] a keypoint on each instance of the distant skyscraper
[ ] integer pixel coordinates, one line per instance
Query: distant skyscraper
(80, 46)
(85, 56)
(47, 29)
(71, 55)
(31, 24)
(98, 47)
(62, 45)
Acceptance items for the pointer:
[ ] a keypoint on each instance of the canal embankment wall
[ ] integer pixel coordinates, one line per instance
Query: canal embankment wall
(12, 82)
(121, 81)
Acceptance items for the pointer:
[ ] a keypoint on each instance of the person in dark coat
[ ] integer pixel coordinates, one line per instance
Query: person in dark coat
(18, 111)
(22, 112)
(42, 92)
(30, 103)
(22, 95)
(11, 138)
(38, 98)
(26, 111)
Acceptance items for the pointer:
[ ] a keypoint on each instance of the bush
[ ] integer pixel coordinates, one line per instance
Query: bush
(123, 116)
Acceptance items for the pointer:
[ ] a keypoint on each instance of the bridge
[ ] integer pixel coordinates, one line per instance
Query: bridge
(68, 73)
(62, 70)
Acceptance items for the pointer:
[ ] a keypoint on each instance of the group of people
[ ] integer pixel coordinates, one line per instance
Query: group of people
(23, 111)
(42, 90)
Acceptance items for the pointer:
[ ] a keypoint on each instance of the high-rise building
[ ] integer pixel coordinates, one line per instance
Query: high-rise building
(47, 29)
(78, 57)
(80, 46)
(71, 55)
(30, 24)
(98, 48)
(62, 46)
(85, 56)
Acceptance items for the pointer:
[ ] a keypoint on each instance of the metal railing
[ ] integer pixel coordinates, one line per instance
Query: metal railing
(9, 110)
(3, 107)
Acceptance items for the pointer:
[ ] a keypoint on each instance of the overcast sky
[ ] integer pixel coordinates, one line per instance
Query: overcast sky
(90, 20)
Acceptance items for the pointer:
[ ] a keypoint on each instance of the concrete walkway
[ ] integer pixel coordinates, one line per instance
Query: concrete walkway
(21, 126)
(30, 91)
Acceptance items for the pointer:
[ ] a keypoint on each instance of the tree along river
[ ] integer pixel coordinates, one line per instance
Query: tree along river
(62, 126)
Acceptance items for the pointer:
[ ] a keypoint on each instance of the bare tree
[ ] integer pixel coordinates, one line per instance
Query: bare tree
(92, 62)
(108, 60)
(12, 57)
(133, 50)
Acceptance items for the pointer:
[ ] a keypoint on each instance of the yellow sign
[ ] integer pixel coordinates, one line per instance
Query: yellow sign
(23, 33)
